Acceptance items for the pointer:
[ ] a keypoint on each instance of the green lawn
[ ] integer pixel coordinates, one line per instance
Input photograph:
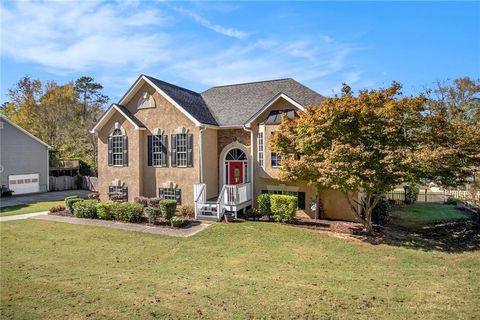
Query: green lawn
(419, 215)
(236, 270)
(28, 208)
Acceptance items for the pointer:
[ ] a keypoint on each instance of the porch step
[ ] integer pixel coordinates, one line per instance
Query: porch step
(207, 217)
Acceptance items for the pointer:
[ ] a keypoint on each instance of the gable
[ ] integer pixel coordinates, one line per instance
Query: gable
(7, 123)
(121, 110)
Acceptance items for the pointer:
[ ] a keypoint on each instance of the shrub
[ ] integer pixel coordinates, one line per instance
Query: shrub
(451, 200)
(153, 202)
(70, 197)
(93, 196)
(187, 210)
(168, 208)
(381, 212)
(129, 212)
(411, 194)
(141, 200)
(69, 203)
(57, 208)
(106, 210)
(283, 207)
(85, 209)
(176, 221)
(152, 213)
(78, 181)
(264, 205)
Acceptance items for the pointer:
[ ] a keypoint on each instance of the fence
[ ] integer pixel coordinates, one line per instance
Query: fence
(427, 196)
(68, 183)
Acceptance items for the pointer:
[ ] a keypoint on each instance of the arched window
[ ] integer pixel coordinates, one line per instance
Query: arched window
(236, 154)
(117, 148)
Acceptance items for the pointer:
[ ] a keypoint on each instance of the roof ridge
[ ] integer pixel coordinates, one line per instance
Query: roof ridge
(172, 85)
(251, 82)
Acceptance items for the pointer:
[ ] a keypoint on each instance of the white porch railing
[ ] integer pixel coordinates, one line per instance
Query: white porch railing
(229, 198)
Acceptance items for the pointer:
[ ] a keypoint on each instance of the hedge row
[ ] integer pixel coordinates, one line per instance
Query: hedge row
(280, 207)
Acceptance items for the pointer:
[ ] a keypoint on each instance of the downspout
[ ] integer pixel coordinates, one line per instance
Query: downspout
(200, 151)
(252, 191)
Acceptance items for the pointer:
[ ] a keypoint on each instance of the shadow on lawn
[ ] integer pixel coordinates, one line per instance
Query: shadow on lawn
(453, 237)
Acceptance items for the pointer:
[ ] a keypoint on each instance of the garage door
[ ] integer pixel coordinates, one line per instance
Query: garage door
(24, 183)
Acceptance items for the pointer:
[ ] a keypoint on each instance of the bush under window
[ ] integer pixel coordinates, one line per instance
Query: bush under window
(168, 208)
(264, 206)
(187, 210)
(106, 210)
(85, 209)
(283, 207)
(129, 212)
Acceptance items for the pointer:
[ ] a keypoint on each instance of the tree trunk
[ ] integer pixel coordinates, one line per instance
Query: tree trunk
(368, 220)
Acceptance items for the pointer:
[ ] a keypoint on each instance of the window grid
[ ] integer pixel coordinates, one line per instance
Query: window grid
(117, 147)
(182, 150)
(276, 160)
(260, 149)
(169, 194)
(157, 150)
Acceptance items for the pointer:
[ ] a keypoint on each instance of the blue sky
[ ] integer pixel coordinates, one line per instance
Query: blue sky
(201, 44)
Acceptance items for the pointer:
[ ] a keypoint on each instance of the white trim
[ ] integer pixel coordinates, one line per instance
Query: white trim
(24, 131)
(108, 114)
(248, 124)
(221, 161)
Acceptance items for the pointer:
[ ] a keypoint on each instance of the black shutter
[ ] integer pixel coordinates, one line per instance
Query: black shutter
(301, 200)
(110, 189)
(125, 151)
(174, 150)
(161, 193)
(110, 155)
(150, 150)
(190, 150)
(178, 196)
(165, 151)
(264, 191)
(125, 194)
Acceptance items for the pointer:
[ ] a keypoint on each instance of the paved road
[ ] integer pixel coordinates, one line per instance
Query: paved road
(38, 197)
(23, 216)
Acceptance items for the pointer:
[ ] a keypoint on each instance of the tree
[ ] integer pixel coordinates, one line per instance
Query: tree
(450, 153)
(354, 143)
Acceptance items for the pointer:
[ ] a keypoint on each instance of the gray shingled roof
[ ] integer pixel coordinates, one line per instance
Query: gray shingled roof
(234, 104)
(190, 100)
(128, 114)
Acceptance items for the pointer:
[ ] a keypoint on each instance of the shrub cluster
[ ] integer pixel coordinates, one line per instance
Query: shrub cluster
(264, 206)
(152, 213)
(411, 194)
(168, 208)
(451, 200)
(147, 202)
(85, 209)
(129, 212)
(106, 210)
(141, 200)
(283, 207)
(57, 208)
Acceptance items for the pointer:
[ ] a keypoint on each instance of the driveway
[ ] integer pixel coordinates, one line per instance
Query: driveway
(39, 197)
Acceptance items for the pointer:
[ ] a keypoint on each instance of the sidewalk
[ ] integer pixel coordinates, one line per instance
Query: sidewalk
(23, 216)
(162, 230)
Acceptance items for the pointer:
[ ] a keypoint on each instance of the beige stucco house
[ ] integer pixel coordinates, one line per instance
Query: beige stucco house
(209, 149)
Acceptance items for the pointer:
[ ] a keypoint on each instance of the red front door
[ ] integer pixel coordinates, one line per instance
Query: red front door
(235, 172)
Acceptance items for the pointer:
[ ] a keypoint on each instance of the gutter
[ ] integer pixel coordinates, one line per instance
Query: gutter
(200, 151)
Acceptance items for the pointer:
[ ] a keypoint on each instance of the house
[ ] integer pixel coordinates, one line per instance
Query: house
(210, 149)
(23, 159)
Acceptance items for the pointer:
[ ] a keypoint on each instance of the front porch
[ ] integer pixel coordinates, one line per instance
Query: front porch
(231, 199)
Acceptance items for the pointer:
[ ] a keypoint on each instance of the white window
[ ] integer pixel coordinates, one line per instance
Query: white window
(260, 149)
(157, 153)
(182, 150)
(117, 147)
(169, 193)
(276, 160)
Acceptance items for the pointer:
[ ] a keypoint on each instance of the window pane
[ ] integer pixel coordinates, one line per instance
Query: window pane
(157, 150)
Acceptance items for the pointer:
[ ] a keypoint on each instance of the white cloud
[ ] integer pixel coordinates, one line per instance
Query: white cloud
(78, 36)
(230, 32)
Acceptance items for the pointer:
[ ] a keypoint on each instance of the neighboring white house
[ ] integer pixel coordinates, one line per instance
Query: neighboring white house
(23, 159)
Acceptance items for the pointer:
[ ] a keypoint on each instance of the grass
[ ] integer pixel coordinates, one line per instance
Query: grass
(28, 208)
(229, 271)
(420, 215)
